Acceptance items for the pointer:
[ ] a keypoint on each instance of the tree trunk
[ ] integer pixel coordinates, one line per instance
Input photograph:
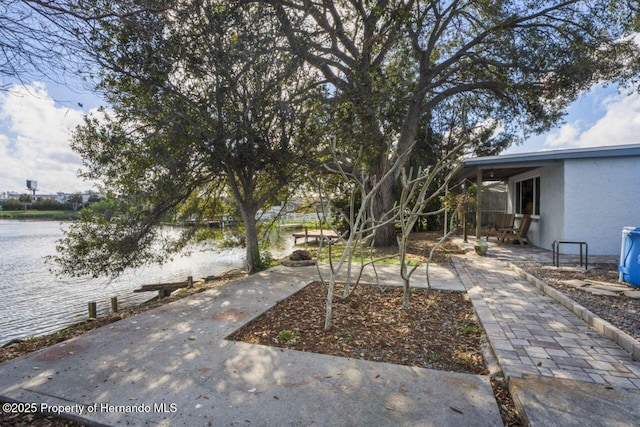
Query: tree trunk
(382, 206)
(385, 199)
(329, 304)
(406, 293)
(250, 238)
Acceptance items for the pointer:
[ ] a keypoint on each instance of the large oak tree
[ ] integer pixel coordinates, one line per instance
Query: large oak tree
(393, 61)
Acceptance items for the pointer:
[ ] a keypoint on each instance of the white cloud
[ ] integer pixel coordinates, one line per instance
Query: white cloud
(34, 141)
(563, 137)
(619, 125)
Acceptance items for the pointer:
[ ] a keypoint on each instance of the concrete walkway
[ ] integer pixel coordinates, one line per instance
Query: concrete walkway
(560, 371)
(172, 366)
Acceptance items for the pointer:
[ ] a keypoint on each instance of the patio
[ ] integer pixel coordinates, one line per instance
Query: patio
(516, 253)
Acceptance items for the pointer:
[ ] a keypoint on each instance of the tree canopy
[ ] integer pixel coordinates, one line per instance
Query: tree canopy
(31, 43)
(203, 97)
(516, 62)
(46, 39)
(218, 94)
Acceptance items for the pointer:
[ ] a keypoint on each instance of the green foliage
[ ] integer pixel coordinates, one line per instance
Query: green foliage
(220, 101)
(12, 205)
(75, 201)
(434, 357)
(110, 241)
(105, 208)
(264, 261)
(41, 204)
(208, 116)
(486, 73)
(464, 357)
(465, 196)
(469, 330)
(288, 335)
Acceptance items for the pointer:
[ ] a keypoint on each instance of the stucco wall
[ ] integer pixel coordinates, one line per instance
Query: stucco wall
(585, 200)
(552, 205)
(601, 197)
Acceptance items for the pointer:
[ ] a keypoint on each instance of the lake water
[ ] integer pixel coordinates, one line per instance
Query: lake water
(35, 302)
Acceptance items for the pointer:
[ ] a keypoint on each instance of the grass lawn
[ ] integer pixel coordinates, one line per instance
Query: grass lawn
(383, 256)
(41, 215)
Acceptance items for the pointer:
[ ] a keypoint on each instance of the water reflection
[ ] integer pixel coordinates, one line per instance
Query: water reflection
(35, 302)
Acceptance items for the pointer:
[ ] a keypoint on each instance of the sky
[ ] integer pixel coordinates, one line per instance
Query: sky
(600, 117)
(36, 121)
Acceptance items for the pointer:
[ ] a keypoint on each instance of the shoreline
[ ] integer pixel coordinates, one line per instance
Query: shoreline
(38, 301)
(20, 347)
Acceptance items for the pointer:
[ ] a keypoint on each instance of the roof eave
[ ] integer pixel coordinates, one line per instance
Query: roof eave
(509, 165)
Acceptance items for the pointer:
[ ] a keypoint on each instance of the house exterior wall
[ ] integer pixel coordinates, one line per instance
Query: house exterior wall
(552, 205)
(601, 197)
(587, 200)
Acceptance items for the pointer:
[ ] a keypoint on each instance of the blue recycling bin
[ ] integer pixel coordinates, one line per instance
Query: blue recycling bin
(629, 267)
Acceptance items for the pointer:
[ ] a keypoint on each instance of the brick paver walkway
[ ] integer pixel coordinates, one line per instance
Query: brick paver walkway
(532, 334)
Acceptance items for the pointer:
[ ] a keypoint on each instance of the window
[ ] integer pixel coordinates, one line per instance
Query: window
(528, 196)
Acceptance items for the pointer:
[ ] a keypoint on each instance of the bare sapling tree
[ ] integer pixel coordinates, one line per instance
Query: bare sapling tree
(461, 130)
(341, 239)
(443, 239)
(414, 198)
(361, 227)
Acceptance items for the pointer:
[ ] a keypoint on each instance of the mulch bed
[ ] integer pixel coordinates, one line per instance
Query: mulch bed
(439, 331)
(622, 312)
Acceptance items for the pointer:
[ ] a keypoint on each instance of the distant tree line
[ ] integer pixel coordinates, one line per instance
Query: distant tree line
(26, 202)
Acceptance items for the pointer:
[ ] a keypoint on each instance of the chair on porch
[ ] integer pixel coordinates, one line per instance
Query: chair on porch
(517, 233)
(503, 221)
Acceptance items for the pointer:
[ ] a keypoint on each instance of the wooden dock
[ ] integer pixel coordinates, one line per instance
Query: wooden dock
(315, 234)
